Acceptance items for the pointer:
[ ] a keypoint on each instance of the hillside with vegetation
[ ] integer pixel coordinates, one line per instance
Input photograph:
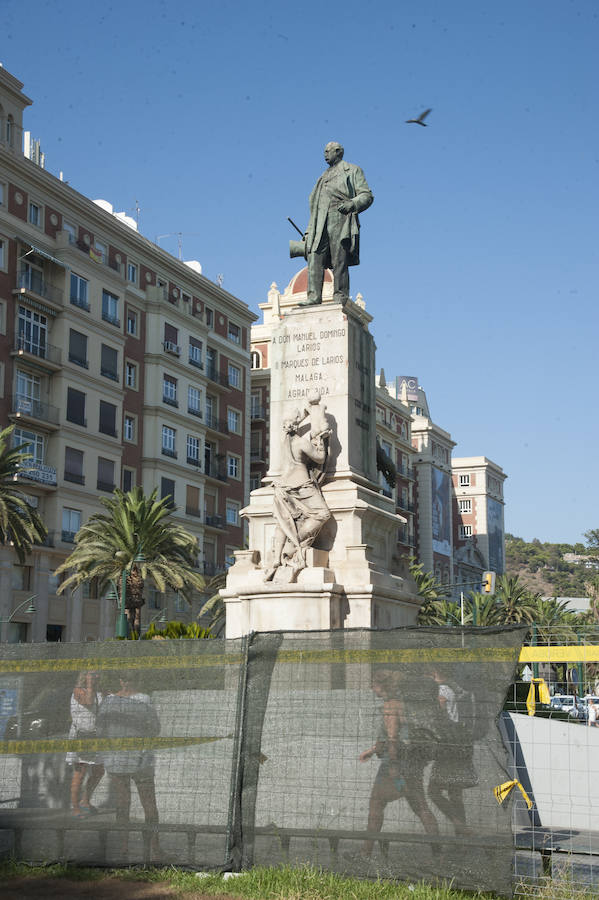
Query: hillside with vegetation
(549, 569)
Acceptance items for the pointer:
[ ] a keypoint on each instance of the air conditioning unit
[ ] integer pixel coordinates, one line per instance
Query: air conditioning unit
(172, 348)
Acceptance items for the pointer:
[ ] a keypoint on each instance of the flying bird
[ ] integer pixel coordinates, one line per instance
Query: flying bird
(420, 119)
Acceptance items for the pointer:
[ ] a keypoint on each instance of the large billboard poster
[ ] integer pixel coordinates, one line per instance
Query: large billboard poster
(495, 530)
(441, 512)
(411, 384)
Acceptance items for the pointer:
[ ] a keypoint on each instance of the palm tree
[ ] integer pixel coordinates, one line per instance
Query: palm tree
(482, 609)
(214, 608)
(435, 608)
(516, 602)
(134, 536)
(20, 524)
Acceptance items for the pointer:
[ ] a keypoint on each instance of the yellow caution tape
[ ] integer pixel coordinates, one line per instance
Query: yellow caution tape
(64, 745)
(561, 653)
(502, 791)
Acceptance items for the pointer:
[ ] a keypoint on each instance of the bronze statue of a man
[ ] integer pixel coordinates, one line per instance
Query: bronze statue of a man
(333, 235)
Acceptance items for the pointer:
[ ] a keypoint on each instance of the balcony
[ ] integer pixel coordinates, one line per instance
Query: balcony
(80, 302)
(257, 413)
(68, 536)
(49, 356)
(27, 408)
(193, 361)
(211, 569)
(170, 347)
(75, 477)
(216, 424)
(38, 472)
(192, 511)
(32, 282)
(78, 361)
(405, 505)
(170, 401)
(214, 375)
(166, 451)
(194, 461)
(214, 472)
(105, 486)
(256, 454)
(406, 471)
(112, 320)
(194, 411)
(215, 522)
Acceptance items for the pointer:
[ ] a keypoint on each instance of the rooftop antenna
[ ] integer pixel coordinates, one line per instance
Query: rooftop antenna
(137, 212)
(179, 236)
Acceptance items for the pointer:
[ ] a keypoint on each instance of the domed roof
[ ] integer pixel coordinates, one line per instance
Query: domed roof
(299, 282)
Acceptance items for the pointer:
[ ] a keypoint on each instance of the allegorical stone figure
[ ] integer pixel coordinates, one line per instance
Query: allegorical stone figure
(333, 235)
(299, 506)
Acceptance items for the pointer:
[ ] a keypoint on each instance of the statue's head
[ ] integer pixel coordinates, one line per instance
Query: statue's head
(333, 152)
(290, 425)
(313, 396)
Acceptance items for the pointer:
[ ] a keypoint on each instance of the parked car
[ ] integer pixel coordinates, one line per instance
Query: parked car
(563, 702)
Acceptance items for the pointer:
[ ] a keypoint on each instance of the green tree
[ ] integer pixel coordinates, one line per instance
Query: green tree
(555, 623)
(134, 535)
(214, 608)
(20, 523)
(516, 602)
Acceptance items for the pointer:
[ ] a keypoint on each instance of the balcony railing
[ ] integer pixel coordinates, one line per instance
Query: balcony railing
(408, 471)
(166, 451)
(214, 472)
(256, 453)
(26, 406)
(170, 401)
(194, 411)
(215, 522)
(78, 361)
(216, 424)
(211, 569)
(257, 412)
(68, 536)
(38, 348)
(80, 302)
(112, 320)
(194, 461)
(37, 471)
(196, 362)
(105, 486)
(34, 283)
(404, 504)
(75, 477)
(192, 511)
(214, 375)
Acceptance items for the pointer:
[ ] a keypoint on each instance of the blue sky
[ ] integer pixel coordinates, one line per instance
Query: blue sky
(479, 255)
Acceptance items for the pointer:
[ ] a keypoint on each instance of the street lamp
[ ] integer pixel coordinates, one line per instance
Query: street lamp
(30, 609)
(121, 622)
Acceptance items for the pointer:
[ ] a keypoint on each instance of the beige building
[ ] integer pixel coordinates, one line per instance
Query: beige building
(119, 366)
(479, 532)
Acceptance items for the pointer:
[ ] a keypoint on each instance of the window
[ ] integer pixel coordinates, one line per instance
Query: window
(171, 339)
(186, 297)
(233, 466)
(234, 333)
(255, 482)
(167, 489)
(105, 475)
(54, 633)
(76, 407)
(168, 441)
(169, 390)
(193, 450)
(128, 480)
(33, 332)
(109, 362)
(70, 230)
(71, 523)
(232, 513)
(34, 444)
(110, 308)
(465, 506)
(107, 418)
(194, 401)
(132, 322)
(21, 578)
(132, 273)
(234, 376)
(464, 480)
(209, 317)
(465, 531)
(35, 214)
(256, 445)
(195, 352)
(2, 192)
(129, 429)
(73, 465)
(256, 410)
(79, 287)
(131, 375)
(255, 360)
(233, 421)
(192, 501)
(78, 348)
(99, 252)
(2, 253)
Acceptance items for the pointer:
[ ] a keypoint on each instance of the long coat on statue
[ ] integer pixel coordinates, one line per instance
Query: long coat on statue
(349, 184)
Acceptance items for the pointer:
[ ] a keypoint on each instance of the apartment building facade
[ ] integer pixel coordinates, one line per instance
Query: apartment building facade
(120, 365)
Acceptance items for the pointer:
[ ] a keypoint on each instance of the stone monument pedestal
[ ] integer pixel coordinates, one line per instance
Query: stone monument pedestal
(322, 377)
